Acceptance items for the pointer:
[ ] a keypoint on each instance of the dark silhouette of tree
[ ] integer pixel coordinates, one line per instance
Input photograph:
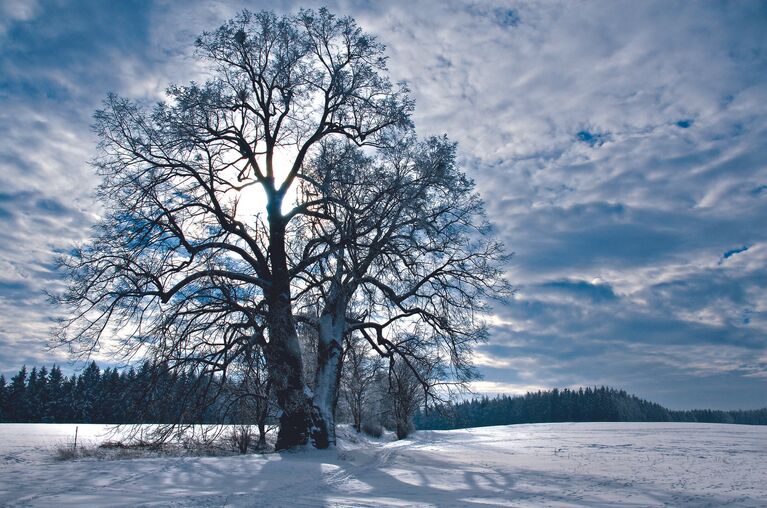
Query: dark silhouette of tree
(390, 243)
(18, 402)
(3, 400)
(175, 263)
(252, 396)
(34, 394)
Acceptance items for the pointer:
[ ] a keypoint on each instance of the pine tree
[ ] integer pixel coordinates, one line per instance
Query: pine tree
(56, 403)
(3, 398)
(18, 410)
(33, 396)
(86, 393)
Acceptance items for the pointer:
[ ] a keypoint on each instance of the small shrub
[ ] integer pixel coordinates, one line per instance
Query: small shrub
(404, 429)
(66, 453)
(241, 438)
(112, 444)
(109, 450)
(372, 428)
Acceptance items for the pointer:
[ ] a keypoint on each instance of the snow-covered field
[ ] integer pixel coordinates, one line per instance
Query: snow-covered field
(593, 464)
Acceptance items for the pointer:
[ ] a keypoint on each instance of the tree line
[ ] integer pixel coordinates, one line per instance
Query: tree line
(601, 404)
(370, 400)
(372, 396)
(147, 394)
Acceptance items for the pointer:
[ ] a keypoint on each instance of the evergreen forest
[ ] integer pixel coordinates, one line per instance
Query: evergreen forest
(151, 394)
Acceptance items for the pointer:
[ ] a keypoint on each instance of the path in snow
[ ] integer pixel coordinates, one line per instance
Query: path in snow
(580, 464)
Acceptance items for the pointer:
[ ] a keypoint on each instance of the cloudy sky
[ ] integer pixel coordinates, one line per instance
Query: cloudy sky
(621, 148)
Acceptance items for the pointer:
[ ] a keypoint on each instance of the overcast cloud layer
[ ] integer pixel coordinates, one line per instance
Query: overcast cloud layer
(620, 147)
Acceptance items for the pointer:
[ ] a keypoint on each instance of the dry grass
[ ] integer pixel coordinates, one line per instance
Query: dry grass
(117, 450)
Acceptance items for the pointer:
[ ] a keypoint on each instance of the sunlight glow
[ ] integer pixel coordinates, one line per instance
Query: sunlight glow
(253, 199)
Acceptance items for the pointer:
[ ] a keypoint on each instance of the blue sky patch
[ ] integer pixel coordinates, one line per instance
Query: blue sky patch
(732, 252)
(593, 139)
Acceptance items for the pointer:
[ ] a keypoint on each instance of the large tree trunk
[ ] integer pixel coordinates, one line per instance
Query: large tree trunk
(286, 369)
(286, 372)
(332, 324)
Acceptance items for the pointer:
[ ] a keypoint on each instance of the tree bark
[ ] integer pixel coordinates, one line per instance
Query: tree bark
(332, 324)
(261, 438)
(286, 372)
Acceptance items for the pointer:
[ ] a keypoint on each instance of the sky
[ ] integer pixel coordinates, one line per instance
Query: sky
(620, 147)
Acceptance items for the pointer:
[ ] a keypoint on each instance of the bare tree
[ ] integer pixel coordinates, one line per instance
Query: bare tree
(405, 396)
(175, 269)
(360, 372)
(385, 235)
(409, 260)
(251, 393)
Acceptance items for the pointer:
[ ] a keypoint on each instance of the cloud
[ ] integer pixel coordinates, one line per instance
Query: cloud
(479, 359)
(492, 388)
(13, 11)
(619, 148)
(58, 60)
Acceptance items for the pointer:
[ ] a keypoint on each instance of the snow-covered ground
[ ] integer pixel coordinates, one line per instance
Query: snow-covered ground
(580, 464)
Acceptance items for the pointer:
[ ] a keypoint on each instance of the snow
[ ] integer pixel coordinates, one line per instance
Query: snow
(579, 464)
